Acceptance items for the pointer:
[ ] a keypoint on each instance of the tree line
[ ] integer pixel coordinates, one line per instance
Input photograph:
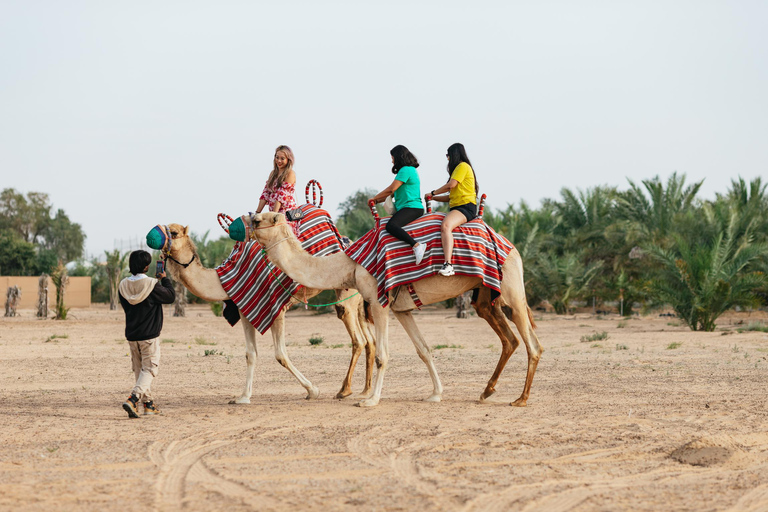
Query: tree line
(654, 244)
(33, 237)
(651, 245)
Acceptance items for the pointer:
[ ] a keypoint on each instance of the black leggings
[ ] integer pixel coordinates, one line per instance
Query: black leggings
(401, 218)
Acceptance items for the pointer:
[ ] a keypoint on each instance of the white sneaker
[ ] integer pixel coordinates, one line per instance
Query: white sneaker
(419, 250)
(447, 270)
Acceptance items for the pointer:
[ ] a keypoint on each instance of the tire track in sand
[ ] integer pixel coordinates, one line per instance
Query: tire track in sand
(181, 460)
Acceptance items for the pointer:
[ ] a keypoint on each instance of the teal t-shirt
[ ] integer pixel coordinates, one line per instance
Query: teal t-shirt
(409, 193)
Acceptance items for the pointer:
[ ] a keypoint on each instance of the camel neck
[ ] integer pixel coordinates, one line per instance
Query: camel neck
(321, 272)
(202, 282)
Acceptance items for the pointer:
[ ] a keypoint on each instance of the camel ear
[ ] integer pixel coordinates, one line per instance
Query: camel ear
(186, 230)
(276, 218)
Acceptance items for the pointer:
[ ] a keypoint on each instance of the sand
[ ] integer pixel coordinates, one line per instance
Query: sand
(655, 417)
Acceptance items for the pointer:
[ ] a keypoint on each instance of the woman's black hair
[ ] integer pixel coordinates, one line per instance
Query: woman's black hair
(457, 154)
(403, 158)
(138, 261)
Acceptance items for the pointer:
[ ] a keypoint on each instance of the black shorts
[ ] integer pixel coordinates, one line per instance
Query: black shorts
(469, 210)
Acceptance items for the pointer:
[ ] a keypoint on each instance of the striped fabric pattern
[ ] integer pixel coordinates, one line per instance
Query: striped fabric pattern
(393, 264)
(261, 293)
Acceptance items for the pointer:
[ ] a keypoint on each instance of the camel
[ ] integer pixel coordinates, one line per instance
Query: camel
(340, 271)
(205, 283)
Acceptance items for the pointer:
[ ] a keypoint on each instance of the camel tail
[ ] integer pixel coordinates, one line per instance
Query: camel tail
(530, 317)
(508, 313)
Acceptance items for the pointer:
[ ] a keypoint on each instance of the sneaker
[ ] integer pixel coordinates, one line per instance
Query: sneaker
(447, 270)
(150, 408)
(419, 250)
(131, 406)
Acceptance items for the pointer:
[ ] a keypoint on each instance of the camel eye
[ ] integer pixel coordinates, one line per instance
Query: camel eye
(174, 234)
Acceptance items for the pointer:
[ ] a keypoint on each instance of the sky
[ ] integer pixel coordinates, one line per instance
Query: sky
(131, 114)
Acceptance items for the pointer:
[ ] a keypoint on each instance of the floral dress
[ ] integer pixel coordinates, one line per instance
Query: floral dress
(284, 194)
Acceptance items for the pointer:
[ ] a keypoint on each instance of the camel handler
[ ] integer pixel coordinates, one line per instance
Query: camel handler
(142, 298)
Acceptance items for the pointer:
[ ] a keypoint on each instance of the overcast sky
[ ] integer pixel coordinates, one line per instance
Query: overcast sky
(131, 114)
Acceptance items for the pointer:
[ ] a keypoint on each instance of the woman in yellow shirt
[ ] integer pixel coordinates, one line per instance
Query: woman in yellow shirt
(461, 198)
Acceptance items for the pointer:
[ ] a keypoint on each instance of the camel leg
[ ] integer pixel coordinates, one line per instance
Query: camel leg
(513, 293)
(251, 355)
(347, 313)
(381, 324)
(278, 338)
(409, 324)
(370, 349)
(497, 321)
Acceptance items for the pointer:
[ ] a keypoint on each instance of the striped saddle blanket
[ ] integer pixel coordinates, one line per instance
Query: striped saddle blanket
(478, 251)
(261, 292)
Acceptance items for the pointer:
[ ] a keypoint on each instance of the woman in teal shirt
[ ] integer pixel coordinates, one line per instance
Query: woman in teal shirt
(407, 191)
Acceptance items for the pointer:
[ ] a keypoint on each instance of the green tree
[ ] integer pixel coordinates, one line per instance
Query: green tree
(702, 276)
(356, 219)
(17, 256)
(561, 279)
(55, 238)
(654, 206)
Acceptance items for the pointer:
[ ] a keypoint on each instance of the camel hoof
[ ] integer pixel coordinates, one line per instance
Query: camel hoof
(520, 402)
(433, 398)
(486, 394)
(370, 402)
(343, 394)
(313, 393)
(241, 400)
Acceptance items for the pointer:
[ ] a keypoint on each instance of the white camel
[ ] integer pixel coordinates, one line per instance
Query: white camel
(205, 283)
(339, 271)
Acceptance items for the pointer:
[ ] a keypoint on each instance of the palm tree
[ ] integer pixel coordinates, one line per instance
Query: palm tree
(655, 212)
(561, 279)
(702, 276)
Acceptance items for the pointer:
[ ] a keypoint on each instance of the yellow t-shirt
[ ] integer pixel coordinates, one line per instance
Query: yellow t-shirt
(464, 192)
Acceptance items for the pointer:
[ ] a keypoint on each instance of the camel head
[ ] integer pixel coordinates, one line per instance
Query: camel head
(265, 228)
(174, 241)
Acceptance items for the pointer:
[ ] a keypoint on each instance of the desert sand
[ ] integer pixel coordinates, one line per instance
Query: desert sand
(655, 417)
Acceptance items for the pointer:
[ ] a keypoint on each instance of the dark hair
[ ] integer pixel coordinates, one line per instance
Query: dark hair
(138, 261)
(457, 154)
(403, 158)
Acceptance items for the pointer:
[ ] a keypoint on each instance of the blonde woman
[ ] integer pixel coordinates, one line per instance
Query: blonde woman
(279, 191)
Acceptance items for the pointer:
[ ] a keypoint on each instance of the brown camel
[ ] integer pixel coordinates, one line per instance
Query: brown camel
(339, 271)
(205, 283)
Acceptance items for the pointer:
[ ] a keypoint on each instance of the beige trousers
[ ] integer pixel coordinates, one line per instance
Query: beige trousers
(145, 358)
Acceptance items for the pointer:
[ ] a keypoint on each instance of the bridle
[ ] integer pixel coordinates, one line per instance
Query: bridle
(166, 250)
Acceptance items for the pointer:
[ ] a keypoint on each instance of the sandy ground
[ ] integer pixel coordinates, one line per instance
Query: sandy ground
(632, 422)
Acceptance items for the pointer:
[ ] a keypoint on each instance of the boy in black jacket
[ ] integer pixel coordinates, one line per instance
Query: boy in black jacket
(142, 299)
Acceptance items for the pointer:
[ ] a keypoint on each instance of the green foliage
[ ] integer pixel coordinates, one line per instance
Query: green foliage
(217, 308)
(598, 336)
(316, 340)
(212, 352)
(53, 235)
(17, 256)
(60, 281)
(674, 345)
(753, 327)
(561, 279)
(702, 275)
(441, 347)
(355, 219)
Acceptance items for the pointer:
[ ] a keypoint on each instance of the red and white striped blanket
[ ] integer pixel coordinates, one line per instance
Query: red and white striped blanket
(478, 251)
(261, 293)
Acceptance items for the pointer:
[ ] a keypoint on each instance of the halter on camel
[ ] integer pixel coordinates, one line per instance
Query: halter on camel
(160, 238)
